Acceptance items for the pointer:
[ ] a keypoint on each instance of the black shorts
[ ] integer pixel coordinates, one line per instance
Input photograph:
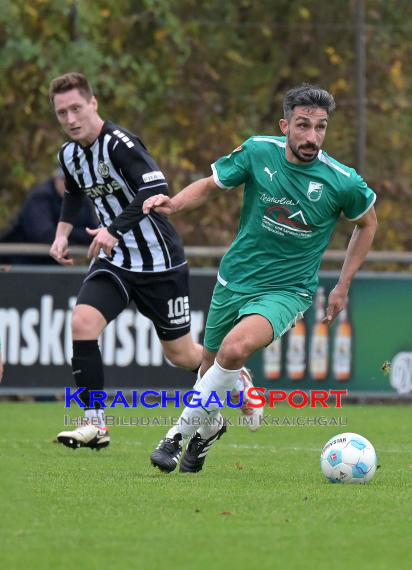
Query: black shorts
(162, 297)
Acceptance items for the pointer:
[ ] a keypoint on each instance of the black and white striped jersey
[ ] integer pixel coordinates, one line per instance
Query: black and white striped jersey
(117, 173)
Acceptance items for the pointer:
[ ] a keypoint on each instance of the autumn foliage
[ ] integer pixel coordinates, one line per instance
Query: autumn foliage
(194, 79)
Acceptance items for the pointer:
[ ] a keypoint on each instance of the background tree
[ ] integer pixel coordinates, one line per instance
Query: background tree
(195, 79)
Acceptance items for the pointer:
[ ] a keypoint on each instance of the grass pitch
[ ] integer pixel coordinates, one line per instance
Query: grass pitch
(261, 501)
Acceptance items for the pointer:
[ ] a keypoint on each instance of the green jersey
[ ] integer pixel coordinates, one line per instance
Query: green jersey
(288, 214)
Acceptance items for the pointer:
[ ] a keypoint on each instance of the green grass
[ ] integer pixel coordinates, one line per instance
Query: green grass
(261, 501)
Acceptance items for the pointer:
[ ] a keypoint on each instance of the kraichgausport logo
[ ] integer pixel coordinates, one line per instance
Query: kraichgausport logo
(255, 397)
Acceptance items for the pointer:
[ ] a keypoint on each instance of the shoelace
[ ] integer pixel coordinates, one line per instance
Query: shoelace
(170, 445)
(196, 442)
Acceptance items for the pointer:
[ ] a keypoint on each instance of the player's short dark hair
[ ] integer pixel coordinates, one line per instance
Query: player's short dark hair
(307, 95)
(69, 81)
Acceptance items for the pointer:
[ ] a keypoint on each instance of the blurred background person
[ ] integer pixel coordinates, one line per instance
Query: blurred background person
(38, 219)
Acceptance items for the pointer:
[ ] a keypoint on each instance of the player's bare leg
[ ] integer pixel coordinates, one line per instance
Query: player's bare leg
(183, 352)
(250, 334)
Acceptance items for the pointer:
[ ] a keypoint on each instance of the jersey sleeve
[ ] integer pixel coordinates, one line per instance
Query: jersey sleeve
(69, 182)
(357, 198)
(135, 164)
(73, 197)
(232, 170)
(137, 167)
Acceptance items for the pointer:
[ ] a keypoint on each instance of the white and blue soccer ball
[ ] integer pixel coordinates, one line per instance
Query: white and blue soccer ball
(348, 458)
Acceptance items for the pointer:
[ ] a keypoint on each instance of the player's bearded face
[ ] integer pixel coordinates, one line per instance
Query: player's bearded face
(305, 132)
(304, 152)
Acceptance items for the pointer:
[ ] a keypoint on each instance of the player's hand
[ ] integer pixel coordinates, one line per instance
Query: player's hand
(337, 301)
(60, 251)
(102, 240)
(160, 203)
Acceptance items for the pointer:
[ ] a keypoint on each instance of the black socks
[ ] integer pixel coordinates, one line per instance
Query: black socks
(87, 368)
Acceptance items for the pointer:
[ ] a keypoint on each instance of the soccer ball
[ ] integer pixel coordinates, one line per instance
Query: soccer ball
(348, 458)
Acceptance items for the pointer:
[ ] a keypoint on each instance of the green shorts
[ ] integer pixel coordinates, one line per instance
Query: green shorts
(281, 309)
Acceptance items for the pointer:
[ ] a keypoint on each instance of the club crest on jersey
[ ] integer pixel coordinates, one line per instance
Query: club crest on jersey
(103, 169)
(314, 191)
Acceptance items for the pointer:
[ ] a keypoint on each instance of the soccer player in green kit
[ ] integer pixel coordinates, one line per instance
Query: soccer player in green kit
(294, 194)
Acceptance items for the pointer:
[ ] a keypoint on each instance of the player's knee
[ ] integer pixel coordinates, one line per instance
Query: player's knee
(83, 327)
(233, 353)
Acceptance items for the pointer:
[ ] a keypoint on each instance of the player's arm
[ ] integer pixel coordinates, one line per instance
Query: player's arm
(229, 171)
(358, 247)
(60, 247)
(190, 197)
(72, 202)
(141, 174)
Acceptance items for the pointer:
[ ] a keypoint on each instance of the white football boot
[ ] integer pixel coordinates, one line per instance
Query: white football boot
(88, 435)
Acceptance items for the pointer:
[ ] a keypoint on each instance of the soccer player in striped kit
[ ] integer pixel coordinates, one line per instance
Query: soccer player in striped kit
(137, 257)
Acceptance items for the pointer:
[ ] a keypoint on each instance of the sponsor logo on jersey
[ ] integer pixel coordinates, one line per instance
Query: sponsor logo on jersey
(281, 220)
(151, 176)
(271, 174)
(275, 200)
(314, 191)
(103, 169)
(102, 189)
